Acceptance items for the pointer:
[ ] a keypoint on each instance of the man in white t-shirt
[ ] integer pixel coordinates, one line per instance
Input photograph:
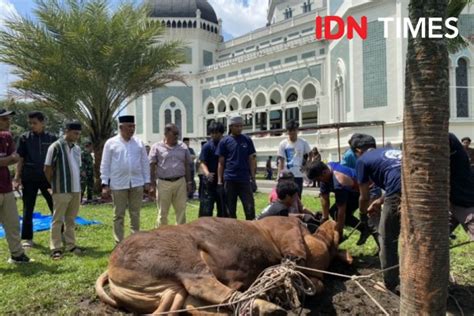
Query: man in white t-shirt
(292, 153)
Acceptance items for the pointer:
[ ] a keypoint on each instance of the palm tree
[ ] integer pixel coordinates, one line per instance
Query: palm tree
(424, 233)
(87, 61)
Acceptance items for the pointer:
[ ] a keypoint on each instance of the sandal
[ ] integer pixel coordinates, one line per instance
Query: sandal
(56, 255)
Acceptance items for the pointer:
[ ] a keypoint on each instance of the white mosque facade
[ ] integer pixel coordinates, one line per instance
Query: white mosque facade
(281, 72)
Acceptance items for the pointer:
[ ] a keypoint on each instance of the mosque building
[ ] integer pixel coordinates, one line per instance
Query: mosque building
(281, 72)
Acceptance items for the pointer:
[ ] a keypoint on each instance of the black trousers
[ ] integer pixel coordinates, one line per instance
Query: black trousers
(243, 190)
(351, 206)
(208, 197)
(30, 193)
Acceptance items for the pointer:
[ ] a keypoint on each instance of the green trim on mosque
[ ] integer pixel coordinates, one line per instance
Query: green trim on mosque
(184, 94)
(139, 114)
(374, 54)
(266, 82)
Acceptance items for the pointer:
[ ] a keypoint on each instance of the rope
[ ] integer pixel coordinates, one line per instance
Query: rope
(293, 283)
(281, 284)
(461, 244)
(372, 298)
(353, 230)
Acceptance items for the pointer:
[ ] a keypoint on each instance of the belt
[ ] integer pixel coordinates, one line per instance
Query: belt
(170, 179)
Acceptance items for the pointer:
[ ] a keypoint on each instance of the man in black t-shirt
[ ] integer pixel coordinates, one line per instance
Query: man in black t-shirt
(32, 148)
(208, 165)
(461, 189)
(286, 192)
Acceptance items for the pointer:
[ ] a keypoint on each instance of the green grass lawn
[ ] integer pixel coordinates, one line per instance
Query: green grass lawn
(47, 287)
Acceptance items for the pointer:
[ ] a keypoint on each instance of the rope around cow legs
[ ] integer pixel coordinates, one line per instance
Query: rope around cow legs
(281, 284)
(284, 277)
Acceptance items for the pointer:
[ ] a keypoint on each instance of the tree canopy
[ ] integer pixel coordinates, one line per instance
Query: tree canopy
(87, 61)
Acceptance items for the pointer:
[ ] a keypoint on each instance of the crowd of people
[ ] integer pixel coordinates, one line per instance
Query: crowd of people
(367, 179)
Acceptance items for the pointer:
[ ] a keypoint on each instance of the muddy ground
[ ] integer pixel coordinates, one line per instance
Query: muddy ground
(344, 297)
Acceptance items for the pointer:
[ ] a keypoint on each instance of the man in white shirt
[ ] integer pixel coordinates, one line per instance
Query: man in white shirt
(292, 153)
(125, 172)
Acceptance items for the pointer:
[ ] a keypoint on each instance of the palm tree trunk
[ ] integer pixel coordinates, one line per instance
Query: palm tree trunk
(424, 219)
(98, 137)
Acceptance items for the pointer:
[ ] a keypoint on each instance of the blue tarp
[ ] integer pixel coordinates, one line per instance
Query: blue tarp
(43, 222)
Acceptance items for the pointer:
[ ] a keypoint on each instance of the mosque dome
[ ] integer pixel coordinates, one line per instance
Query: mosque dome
(182, 9)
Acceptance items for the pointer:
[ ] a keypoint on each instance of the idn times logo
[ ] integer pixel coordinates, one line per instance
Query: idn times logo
(432, 27)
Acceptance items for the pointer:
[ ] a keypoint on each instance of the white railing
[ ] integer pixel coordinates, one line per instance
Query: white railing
(262, 52)
(275, 28)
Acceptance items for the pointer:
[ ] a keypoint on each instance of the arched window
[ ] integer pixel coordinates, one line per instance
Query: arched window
(179, 24)
(176, 114)
(168, 24)
(210, 108)
(246, 102)
(291, 95)
(167, 117)
(178, 120)
(260, 100)
(234, 104)
(462, 108)
(222, 107)
(275, 97)
(173, 25)
(185, 24)
(309, 92)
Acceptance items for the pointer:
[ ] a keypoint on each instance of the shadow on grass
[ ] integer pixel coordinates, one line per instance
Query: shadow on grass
(94, 252)
(33, 268)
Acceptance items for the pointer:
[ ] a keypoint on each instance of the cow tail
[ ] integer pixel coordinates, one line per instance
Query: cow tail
(99, 288)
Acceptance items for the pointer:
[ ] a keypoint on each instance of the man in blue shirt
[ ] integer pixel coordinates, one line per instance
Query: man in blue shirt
(237, 167)
(382, 167)
(208, 164)
(349, 158)
(340, 180)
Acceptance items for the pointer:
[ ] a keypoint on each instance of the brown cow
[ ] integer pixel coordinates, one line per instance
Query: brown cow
(206, 261)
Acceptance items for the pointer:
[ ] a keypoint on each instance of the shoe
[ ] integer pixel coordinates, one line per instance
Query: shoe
(56, 255)
(27, 243)
(363, 237)
(20, 259)
(77, 251)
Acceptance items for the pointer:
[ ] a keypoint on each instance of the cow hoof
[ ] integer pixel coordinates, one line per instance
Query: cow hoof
(265, 308)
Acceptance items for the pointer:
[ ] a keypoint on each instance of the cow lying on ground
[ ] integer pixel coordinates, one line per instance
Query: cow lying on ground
(206, 261)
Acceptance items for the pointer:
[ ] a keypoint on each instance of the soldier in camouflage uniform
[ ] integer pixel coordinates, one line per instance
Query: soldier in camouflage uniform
(87, 172)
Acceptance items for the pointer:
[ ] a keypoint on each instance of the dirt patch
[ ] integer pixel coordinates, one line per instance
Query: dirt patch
(342, 296)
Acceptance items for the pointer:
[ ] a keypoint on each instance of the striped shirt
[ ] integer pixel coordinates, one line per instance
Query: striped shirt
(65, 159)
